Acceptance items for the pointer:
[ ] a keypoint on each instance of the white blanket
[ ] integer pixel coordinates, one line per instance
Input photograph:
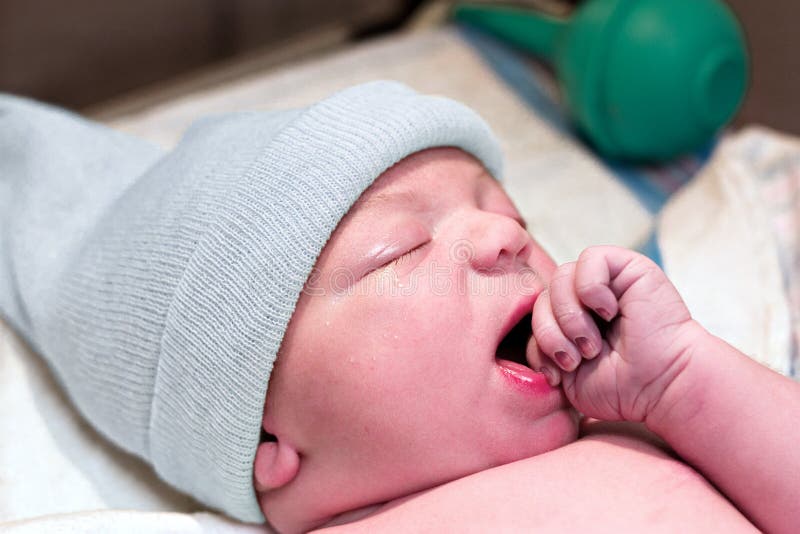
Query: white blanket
(731, 244)
(53, 463)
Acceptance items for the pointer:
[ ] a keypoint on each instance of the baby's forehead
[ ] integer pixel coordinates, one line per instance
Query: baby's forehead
(423, 176)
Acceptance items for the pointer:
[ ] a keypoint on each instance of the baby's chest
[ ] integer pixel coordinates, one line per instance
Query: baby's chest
(629, 480)
(601, 483)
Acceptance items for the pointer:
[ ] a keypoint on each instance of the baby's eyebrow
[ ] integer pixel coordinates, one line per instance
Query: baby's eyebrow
(406, 197)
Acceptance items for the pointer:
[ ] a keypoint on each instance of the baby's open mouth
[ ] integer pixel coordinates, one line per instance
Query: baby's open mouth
(513, 346)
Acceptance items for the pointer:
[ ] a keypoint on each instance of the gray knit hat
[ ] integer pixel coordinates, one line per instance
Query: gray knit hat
(158, 285)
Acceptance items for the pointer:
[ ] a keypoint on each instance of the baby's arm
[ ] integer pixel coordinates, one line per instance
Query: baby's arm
(739, 423)
(733, 419)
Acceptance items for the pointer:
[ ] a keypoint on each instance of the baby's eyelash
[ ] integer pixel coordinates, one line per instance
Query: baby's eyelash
(406, 256)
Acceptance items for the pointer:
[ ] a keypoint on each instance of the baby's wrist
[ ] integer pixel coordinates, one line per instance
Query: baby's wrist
(682, 398)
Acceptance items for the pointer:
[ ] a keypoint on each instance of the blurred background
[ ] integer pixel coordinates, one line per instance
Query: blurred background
(87, 54)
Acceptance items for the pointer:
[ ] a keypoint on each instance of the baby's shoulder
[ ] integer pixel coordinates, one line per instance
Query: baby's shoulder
(615, 477)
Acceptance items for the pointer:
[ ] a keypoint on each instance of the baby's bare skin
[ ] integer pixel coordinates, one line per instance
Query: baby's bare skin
(617, 478)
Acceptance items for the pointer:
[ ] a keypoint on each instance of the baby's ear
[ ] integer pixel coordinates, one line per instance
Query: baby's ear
(276, 465)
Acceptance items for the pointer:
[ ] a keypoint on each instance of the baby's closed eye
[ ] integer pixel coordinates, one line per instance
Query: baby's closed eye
(406, 256)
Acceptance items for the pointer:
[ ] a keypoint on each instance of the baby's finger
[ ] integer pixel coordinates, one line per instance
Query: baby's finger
(539, 362)
(550, 338)
(593, 278)
(573, 318)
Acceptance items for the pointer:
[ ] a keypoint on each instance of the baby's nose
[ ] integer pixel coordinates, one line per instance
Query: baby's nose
(500, 244)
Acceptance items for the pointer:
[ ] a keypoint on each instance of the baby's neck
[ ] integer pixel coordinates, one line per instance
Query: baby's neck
(360, 513)
(354, 515)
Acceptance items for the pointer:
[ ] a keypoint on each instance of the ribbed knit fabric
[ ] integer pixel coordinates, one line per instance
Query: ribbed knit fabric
(158, 285)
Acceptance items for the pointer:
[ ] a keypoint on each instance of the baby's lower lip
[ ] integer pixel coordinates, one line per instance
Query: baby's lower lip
(524, 378)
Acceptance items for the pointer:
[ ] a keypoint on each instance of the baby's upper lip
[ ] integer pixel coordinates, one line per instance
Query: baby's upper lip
(522, 308)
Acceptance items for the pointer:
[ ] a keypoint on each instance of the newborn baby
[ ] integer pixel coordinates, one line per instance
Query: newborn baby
(472, 349)
(433, 368)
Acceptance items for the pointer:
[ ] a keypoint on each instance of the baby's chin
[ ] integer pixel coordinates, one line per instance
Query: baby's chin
(553, 431)
(573, 427)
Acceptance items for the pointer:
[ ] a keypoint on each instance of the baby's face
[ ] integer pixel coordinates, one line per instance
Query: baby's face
(388, 380)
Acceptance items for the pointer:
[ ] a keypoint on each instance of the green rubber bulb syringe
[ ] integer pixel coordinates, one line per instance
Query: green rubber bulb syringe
(643, 79)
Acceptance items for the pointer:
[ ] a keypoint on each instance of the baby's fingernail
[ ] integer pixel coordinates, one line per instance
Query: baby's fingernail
(564, 359)
(604, 313)
(550, 375)
(586, 346)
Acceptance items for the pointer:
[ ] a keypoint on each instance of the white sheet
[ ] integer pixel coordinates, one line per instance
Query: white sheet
(129, 522)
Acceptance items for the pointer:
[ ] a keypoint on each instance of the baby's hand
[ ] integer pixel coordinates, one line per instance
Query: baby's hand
(647, 332)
